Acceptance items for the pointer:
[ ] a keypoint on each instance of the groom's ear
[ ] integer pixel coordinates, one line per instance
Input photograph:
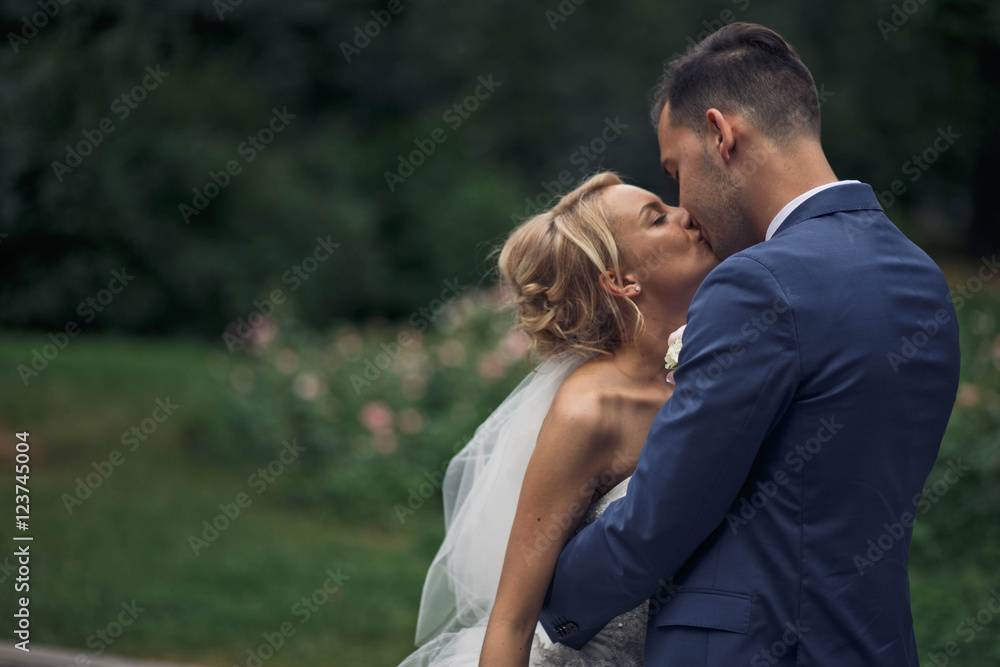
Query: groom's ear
(720, 133)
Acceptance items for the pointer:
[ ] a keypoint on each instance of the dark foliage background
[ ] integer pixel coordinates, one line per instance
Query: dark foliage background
(561, 75)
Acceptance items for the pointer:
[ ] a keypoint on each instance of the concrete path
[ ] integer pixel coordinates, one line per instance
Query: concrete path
(47, 656)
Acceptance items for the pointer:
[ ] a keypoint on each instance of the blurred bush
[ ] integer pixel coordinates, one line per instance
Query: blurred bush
(379, 409)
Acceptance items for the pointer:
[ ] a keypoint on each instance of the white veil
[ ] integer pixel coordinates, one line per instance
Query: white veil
(481, 489)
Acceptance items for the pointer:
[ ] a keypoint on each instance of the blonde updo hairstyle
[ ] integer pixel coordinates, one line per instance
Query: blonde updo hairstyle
(552, 264)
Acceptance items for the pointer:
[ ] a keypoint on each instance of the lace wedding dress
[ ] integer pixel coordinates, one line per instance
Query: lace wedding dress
(480, 493)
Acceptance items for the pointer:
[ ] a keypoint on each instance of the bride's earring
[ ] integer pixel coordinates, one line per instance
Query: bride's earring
(638, 289)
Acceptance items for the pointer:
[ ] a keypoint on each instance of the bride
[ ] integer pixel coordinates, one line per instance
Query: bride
(599, 283)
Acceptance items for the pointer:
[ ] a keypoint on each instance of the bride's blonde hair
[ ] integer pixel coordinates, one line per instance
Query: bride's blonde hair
(552, 264)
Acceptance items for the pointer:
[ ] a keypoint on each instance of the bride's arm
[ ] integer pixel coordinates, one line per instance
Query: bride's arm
(573, 448)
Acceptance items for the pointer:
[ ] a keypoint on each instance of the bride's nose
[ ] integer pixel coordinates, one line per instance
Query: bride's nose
(683, 218)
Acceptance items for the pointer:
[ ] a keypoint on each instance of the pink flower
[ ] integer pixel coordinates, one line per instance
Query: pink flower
(676, 336)
(968, 395)
(500, 298)
(411, 421)
(385, 444)
(513, 346)
(490, 367)
(308, 386)
(263, 334)
(451, 353)
(377, 417)
(349, 341)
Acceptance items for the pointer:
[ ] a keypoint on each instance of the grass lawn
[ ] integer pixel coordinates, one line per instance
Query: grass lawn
(129, 540)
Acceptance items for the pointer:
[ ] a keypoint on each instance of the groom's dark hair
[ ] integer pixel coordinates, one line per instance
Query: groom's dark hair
(743, 68)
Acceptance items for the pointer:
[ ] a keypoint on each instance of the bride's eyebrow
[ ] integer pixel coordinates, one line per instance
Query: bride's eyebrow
(651, 205)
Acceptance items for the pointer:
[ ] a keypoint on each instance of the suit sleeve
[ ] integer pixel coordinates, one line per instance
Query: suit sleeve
(739, 368)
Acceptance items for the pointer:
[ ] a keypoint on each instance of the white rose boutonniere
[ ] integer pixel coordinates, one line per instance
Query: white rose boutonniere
(672, 358)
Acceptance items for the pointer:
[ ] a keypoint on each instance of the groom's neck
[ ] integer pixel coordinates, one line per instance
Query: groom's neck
(793, 171)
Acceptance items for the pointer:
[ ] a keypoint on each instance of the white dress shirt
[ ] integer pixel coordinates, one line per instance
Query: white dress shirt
(794, 204)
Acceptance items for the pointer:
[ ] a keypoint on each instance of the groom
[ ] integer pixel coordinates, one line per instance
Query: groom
(818, 371)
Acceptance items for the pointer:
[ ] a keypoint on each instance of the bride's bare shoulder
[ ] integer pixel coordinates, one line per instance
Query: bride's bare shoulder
(583, 407)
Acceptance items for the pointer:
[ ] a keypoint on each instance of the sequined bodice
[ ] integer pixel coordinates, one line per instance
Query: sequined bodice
(620, 643)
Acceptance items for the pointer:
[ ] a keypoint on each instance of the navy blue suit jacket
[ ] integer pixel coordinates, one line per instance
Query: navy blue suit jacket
(772, 507)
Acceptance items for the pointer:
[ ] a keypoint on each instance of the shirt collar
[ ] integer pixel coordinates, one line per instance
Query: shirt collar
(794, 204)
